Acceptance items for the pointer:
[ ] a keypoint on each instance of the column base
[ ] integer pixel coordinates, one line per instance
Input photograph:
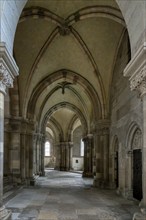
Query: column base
(101, 184)
(140, 216)
(30, 181)
(87, 174)
(97, 183)
(64, 169)
(112, 185)
(129, 194)
(4, 213)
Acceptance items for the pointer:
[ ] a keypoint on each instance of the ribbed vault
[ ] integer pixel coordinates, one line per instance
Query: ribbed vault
(66, 52)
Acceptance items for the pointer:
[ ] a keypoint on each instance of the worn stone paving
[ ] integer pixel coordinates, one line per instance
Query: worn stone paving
(68, 196)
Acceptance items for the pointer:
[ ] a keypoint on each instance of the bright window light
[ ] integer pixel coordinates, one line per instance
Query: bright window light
(82, 149)
(47, 149)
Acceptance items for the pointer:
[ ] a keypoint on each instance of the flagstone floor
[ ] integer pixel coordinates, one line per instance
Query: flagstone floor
(68, 196)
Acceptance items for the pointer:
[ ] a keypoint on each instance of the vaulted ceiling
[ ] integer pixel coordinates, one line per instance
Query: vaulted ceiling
(66, 52)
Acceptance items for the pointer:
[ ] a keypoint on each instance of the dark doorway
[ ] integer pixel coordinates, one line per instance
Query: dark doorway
(137, 174)
(116, 170)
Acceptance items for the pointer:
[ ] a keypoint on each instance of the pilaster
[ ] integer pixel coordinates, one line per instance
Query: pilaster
(136, 71)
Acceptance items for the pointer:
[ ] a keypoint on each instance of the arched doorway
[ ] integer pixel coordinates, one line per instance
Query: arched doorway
(137, 164)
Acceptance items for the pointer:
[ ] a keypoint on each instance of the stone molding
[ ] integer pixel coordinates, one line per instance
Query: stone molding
(8, 68)
(136, 71)
(19, 125)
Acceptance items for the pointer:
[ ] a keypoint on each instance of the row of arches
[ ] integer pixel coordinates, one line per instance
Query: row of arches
(129, 159)
(76, 64)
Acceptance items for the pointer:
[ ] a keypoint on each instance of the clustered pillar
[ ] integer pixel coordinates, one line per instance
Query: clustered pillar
(88, 156)
(65, 156)
(101, 151)
(38, 153)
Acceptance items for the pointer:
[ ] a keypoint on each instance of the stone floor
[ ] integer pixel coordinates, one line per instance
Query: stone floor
(67, 196)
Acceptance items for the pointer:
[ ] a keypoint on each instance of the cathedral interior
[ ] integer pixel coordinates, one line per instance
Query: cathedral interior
(72, 109)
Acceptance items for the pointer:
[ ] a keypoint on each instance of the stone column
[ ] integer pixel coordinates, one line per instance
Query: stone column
(136, 71)
(65, 156)
(27, 149)
(106, 155)
(88, 157)
(98, 160)
(35, 153)
(6, 152)
(23, 159)
(101, 179)
(62, 159)
(42, 155)
(14, 149)
(8, 70)
(57, 156)
(70, 154)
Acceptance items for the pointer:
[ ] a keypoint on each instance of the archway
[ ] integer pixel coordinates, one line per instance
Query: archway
(134, 162)
(137, 164)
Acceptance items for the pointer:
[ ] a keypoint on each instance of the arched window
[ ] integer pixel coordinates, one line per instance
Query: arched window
(82, 149)
(47, 149)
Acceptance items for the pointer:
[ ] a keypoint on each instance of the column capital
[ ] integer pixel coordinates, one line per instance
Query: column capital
(103, 123)
(8, 68)
(102, 127)
(136, 71)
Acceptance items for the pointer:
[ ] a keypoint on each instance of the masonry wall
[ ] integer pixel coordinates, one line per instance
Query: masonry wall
(125, 109)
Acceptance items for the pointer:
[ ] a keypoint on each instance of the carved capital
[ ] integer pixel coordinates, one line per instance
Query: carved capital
(102, 127)
(8, 68)
(138, 79)
(136, 71)
(6, 79)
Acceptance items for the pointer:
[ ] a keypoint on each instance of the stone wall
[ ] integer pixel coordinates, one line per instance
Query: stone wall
(126, 109)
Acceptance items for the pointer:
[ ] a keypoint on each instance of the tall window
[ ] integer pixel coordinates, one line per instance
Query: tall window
(47, 149)
(82, 148)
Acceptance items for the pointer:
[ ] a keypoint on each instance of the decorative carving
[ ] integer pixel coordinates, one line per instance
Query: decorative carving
(6, 79)
(129, 153)
(64, 85)
(137, 140)
(135, 81)
(138, 82)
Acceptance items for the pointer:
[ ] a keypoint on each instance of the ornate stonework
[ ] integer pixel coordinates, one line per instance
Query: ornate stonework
(137, 140)
(138, 80)
(8, 68)
(136, 71)
(5, 78)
